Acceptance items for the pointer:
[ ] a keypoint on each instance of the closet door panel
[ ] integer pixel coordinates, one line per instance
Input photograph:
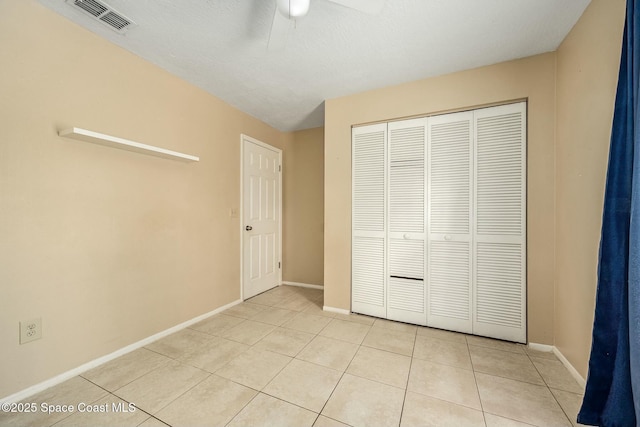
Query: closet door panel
(450, 174)
(500, 229)
(406, 300)
(449, 192)
(406, 176)
(498, 290)
(368, 276)
(406, 290)
(450, 285)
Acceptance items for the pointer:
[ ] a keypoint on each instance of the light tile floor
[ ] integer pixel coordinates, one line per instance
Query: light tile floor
(279, 360)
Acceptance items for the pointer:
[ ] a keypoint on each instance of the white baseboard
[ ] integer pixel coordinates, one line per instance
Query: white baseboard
(335, 310)
(541, 347)
(574, 372)
(37, 388)
(550, 348)
(303, 285)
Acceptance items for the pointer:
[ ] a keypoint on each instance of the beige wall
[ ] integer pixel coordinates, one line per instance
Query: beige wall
(587, 75)
(107, 246)
(531, 78)
(303, 208)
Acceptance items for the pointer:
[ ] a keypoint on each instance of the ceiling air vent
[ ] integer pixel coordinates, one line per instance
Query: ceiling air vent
(104, 13)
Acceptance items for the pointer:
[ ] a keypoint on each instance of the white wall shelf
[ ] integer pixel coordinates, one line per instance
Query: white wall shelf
(113, 141)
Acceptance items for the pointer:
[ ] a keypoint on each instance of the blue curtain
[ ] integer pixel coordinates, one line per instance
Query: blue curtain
(612, 394)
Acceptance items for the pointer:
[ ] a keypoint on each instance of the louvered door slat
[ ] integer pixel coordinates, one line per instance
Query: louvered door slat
(449, 286)
(449, 189)
(368, 279)
(406, 237)
(406, 258)
(449, 161)
(406, 176)
(499, 170)
(406, 300)
(368, 180)
(406, 281)
(368, 274)
(499, 238)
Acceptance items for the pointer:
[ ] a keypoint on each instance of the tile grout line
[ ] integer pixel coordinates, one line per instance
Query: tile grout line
(544, 384)
(113, 393)
(290, 361)
(185, 392)
(340, 379)
(155, 418)
(406, 387)
(475, 380)
(258, 392)
(526, 382)
(245, 405)
(521, 381)
(549, 389)
(70, 414)
(134, 379)
(137, 409)
(213, 373)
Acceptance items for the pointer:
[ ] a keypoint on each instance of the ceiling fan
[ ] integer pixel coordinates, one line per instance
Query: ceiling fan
(288, 11)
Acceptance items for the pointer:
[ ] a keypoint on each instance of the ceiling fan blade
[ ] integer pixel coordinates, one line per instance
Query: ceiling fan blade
(280, 29)
(372, 7)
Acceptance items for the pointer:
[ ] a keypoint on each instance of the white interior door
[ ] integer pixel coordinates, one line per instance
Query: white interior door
(500, 228)
(368, 268)
(406, 290)
(450, 170)
(261, 214)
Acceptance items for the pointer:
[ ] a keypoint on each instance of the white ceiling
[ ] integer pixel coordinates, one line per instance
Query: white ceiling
(221, 46)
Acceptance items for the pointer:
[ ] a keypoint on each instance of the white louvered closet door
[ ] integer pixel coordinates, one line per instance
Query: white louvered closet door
(368, 272)
(406, 291)
(449, 192)
(500, 228)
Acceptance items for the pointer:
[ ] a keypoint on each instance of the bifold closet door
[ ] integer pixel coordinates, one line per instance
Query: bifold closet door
(500, 228)
(439, 221)
(406, 291)
(368, 263)
(450, 171)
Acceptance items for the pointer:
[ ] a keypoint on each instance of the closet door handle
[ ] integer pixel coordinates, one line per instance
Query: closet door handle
(447, 237)
(406, 237)
(248, 228)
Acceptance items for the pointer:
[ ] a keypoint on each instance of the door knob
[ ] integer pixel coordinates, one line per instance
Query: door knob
(248, 228)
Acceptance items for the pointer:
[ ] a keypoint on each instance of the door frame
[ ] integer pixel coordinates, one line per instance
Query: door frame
(246, 138)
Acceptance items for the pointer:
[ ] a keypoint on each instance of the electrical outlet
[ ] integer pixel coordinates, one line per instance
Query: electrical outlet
(30, 330)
